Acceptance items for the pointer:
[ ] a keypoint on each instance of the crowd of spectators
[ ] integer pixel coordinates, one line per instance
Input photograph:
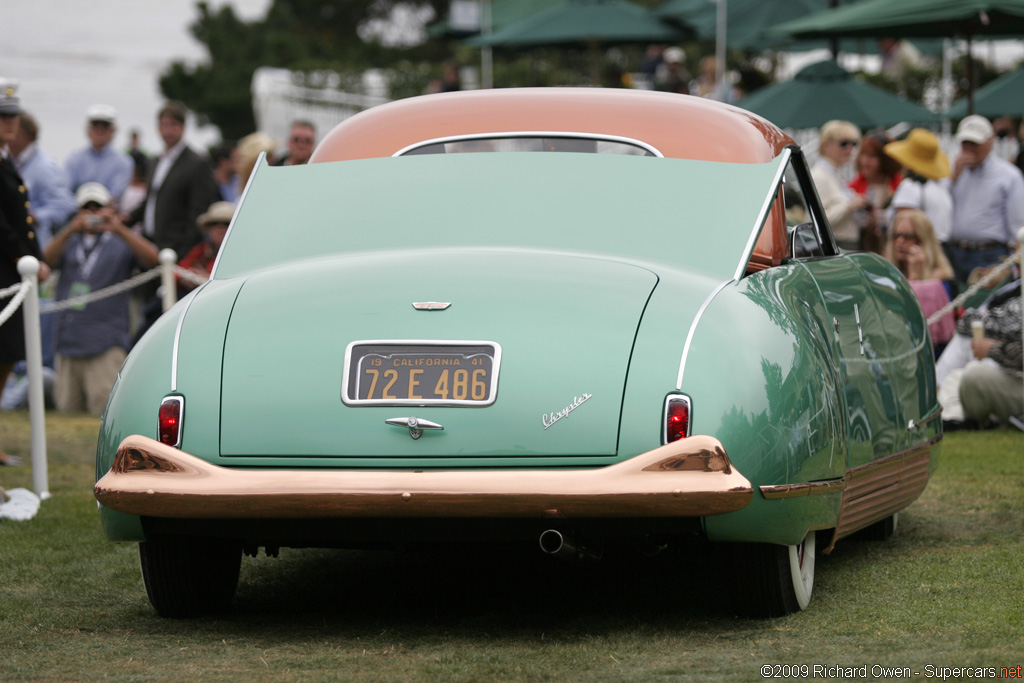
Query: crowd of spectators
(945, 225)
(101, 217)
(107, 212)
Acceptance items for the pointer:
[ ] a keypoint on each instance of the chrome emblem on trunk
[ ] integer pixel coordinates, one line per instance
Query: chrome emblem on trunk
(551, 418)
(431, 305)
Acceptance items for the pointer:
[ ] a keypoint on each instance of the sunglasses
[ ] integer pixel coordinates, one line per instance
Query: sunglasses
(904, 235)
(217, 224)
(847, 143)
(92, 206)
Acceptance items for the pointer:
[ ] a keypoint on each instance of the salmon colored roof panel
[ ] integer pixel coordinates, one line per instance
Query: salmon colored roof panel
(679, 126)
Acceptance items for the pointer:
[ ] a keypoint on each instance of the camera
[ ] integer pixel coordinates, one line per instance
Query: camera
(94, 223)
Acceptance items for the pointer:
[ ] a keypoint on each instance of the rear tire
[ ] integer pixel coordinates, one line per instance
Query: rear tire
(882, 529)
(771, 580)
(189, 577)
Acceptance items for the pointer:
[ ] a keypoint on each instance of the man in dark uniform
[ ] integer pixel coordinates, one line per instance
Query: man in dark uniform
(17, 239)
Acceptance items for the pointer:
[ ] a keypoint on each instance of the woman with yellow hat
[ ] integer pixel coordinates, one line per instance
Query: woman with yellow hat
(925, 165)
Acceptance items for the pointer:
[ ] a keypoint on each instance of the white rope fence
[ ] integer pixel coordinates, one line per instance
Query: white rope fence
(20, 291)
(992, 277)
(27, 294)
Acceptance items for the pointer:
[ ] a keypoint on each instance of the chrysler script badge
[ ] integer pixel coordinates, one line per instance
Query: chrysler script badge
(551, 418)
(431, 305)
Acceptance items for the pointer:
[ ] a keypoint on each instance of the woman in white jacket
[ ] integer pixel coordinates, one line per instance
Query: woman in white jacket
(836, 144)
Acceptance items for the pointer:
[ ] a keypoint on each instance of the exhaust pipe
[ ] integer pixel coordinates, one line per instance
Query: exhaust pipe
(554, 542)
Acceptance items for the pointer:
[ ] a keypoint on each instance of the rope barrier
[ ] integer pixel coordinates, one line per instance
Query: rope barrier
(4, 293)
(92, 297)
(994, 275)
(99, 294)
(22, 291)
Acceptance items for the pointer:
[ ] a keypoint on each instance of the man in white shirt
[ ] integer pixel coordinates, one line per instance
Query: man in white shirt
(988, 201)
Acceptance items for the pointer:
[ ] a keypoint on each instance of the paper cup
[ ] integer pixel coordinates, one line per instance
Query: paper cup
(977, 329)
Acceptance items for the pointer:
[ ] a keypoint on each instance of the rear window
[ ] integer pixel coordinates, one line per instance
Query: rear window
(529, 143)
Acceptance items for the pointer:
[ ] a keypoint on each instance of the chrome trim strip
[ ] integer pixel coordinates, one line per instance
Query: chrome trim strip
(748, 250)
(813, 488)
(914, 450)
(349, 401)
(933, 415)
(778, 491)
(530, 134)
(177, 339)
(693, 328)
(260, 162)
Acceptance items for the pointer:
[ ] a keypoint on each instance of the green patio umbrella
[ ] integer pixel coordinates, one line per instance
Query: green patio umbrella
(746, 21)
(1002, 97)
(913, 18)
(503, 13)
(586, 23)
(824, 91)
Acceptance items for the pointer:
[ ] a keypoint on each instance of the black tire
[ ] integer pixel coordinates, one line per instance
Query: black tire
(189, 577)
(880, 530)
(771, 580)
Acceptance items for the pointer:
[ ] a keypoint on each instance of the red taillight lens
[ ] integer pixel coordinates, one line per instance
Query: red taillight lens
(677, 418)
(171, 409)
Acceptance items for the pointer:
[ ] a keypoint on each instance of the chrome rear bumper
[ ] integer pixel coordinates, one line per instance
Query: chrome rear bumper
(688, 478)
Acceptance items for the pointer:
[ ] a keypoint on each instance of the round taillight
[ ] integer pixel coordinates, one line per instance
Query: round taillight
(169, 429)
(677, 418)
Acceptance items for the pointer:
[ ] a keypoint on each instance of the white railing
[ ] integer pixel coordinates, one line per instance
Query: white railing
(26, 294)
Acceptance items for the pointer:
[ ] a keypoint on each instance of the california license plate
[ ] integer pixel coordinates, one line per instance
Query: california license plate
(421, 373)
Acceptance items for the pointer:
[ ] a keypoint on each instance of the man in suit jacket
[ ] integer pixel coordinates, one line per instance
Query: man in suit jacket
(180, 188)
(17, 239)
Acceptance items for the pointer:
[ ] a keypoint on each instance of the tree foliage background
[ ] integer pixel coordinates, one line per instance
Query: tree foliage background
(311, 36)
(301, 35)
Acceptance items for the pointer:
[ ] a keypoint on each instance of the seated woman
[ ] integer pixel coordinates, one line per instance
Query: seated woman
(911, 246)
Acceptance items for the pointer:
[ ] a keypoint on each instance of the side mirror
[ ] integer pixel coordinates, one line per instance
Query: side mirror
(803, 242)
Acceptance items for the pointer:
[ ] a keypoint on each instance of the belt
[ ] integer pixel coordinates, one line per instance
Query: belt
(970, 245)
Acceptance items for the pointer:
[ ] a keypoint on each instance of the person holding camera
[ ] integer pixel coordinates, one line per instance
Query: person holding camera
(94, 251)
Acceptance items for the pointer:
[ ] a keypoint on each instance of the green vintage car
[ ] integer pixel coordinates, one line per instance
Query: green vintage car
(582, 319)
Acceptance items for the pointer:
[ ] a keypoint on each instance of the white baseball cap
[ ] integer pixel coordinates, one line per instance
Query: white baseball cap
(92, 192)
(975, 129)
(101, 112)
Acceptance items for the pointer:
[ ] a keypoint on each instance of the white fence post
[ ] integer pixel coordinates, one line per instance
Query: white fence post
(28, 266)
(168, 260)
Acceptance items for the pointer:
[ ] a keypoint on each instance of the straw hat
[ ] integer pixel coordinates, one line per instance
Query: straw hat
(920, 153)
(219, 212)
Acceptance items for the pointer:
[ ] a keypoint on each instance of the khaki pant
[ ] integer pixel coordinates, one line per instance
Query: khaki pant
(83, 384)
(987, 390)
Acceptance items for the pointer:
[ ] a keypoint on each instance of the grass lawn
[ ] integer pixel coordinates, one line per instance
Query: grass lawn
(946, 590)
